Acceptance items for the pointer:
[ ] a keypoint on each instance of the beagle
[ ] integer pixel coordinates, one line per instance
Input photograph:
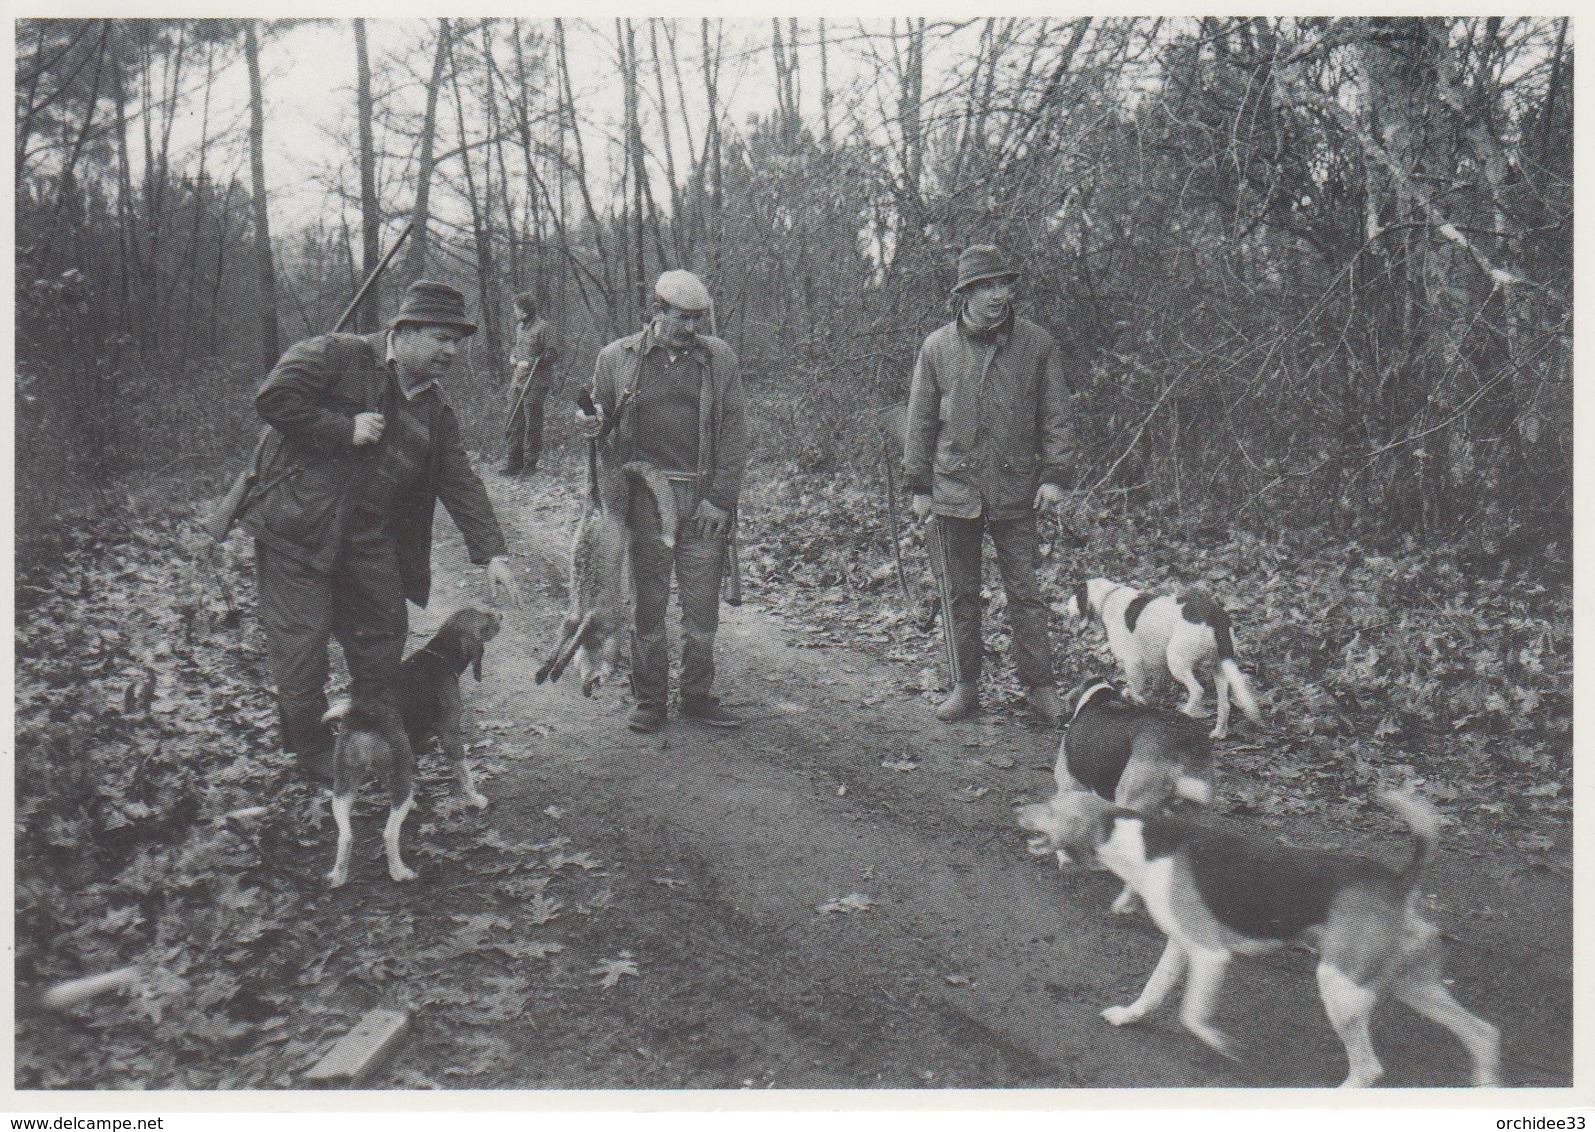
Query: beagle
(1180, 635)
(371, 743)
(1217, 894)
(1136, 756)
(429, 689)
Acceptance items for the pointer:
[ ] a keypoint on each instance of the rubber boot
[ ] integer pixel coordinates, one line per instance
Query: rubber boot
(964, 701)
(1045, 704)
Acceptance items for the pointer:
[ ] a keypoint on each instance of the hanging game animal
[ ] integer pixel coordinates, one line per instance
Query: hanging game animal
(600, 592)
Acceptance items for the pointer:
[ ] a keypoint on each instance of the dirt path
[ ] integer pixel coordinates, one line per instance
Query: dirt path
(973, 964)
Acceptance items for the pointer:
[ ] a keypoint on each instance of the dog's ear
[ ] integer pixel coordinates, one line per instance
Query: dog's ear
(471, 647)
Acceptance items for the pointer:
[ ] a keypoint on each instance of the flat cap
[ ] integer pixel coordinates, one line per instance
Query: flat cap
(682, 290)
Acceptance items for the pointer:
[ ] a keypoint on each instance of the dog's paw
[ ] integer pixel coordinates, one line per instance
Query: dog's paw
(476, 800)
(1120, 1016)
(401, 873)
(1218, 733)
(337, 878)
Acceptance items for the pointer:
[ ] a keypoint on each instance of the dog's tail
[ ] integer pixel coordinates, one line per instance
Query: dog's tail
(354, 715)
(1239, 689)
(1424, 821)
(658, 485)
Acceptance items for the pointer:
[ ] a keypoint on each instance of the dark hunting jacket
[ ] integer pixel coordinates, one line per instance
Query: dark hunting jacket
(301, 503)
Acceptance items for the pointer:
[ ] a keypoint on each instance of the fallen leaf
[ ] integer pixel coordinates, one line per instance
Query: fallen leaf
(855, 902)
(900, 764)
(613, 970)
(543, 909)
(670, 882)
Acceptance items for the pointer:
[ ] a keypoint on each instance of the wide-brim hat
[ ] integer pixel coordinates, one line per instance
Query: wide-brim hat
(683, 290)
(980, 262)
(435, 304)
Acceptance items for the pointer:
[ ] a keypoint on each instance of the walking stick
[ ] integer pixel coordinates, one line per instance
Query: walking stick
(891, 514)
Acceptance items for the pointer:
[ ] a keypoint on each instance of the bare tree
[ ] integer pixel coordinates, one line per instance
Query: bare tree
(265, 270)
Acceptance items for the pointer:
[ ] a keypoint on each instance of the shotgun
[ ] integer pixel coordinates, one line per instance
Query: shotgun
(226, 510)
(520, 398)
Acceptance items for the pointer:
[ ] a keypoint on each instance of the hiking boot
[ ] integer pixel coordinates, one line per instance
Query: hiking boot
(964, 702)
(1045, 704)
(646, 718)
(707, 711)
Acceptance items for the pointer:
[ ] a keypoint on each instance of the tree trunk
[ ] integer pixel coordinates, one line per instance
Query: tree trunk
(481, 237)
(265, 272)
(415, 263)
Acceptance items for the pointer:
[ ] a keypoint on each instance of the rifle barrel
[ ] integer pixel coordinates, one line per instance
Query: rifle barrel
(376, 272)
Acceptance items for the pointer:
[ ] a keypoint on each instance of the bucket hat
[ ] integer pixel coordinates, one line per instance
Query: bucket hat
(435, 304)
(979, 262)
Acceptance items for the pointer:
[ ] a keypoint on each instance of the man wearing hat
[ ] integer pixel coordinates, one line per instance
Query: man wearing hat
(988, 434)
(531, 374)
(362, 446)
(678, 396)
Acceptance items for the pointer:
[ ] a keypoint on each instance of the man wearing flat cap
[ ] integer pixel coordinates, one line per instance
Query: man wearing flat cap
(361, 448)
(532, 362)
(988, 437)
(678, 396)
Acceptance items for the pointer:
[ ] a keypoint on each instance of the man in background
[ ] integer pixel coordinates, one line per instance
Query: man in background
(532, 361)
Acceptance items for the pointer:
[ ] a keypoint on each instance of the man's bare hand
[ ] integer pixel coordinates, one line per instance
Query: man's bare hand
(502, 589)
(712, 521)
(922, 507)
(590, 424)
(368, 428)
(1049, 495)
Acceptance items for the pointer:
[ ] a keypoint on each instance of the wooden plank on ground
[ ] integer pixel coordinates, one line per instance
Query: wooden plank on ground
(364, 1049)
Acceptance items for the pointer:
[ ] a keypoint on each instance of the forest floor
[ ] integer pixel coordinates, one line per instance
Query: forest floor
(834, 896)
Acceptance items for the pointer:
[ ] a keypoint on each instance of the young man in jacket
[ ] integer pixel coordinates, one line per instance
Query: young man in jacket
(362, 447)
(532, 362)
(679, 396)
(988, 435)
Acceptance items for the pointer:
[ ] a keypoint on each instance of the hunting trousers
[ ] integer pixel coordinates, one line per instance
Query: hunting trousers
(698, 563)
(524, 432)
(360, 601)
(1016, 543)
